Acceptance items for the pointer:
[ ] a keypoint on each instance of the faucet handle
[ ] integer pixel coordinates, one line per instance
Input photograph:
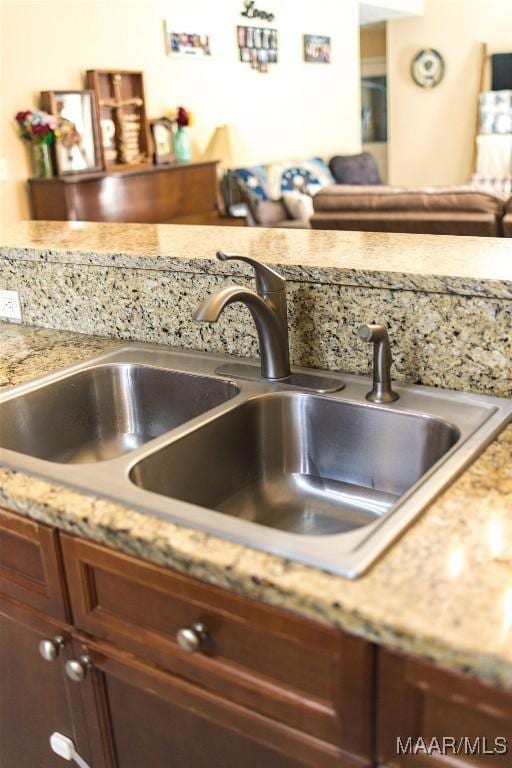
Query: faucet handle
(267, 279)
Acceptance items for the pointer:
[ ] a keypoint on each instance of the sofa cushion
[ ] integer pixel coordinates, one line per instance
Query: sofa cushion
(355, 169)
(415, 222)
(269, 212)
(255, 178)
(387, 198)
(298, 205)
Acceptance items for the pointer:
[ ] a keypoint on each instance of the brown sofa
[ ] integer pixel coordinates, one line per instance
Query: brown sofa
(507, 219)
(430, 210)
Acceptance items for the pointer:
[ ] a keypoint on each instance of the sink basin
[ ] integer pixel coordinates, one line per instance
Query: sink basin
(299, 462)
(105, 411)
(330, 480)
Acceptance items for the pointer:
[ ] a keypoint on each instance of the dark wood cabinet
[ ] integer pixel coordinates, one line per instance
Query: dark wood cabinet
(156, 719)
(36, 698)
(262, 687)
(293, 671)
(31, 569)
(470, 722)
(149, 194)
(265, 687)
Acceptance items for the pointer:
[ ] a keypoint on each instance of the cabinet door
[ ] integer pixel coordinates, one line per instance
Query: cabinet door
(147, 717)
(35, 697)
(315, 680)
(31, 569)
(428, 716)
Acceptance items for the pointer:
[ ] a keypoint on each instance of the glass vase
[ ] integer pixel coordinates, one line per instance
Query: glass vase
(40, 160)
(182, 145)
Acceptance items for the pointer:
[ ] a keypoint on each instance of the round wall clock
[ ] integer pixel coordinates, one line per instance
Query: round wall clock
(427, 68)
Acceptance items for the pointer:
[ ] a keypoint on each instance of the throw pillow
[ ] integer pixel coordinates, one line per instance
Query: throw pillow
(255, 179)
(319, 168)
(300, 179)
(355, 169)
(298, 205)
(308, 176)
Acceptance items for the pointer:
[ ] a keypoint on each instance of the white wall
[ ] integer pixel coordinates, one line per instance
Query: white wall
(296, 109)
(376, 11)
(431, 132)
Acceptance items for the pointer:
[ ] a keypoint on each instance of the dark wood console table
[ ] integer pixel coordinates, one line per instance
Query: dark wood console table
(152, 194)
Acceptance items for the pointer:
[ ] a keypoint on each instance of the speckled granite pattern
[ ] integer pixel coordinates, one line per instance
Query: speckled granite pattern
(439, 339)
(27, 352)
(479, 266)
(443, 591)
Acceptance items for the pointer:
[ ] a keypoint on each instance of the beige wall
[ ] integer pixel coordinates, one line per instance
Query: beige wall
(372, 41)
(431, 131)
(296, 109)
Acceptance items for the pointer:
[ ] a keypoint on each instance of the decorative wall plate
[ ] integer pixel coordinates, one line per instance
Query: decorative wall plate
(427, 68)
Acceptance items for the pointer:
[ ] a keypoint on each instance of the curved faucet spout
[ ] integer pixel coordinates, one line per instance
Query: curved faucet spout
(272, 335)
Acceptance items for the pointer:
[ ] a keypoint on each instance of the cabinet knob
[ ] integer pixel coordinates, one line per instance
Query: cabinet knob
(50, 648)
(191, 638)
(76, 669)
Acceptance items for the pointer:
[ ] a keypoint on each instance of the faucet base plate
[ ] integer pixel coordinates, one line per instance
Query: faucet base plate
(299, 380)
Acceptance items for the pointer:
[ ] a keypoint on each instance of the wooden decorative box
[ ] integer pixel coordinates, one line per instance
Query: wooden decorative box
(122, 111)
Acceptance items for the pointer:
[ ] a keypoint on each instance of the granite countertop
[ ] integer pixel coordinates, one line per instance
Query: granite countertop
(480, 266)
(443, 591)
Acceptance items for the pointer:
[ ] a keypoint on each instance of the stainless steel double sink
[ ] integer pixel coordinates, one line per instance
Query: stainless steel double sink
(325, 479)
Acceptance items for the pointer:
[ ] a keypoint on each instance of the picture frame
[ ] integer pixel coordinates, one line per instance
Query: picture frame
(162, 135)
(121, 104)
(192, 45)
(78, 148)
(258, 46)
(317, 49)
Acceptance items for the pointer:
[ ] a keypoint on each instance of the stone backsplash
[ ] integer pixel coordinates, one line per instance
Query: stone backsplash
(443, 337)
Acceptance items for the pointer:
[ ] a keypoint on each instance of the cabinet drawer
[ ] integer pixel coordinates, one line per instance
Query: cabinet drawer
(198, 728)
(30, 565)
(471, 722)
(311, 678)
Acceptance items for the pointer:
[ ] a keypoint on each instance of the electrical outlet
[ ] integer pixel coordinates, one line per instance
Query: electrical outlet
(10, 307)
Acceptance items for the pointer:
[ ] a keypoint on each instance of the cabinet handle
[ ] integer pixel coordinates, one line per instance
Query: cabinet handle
(191, 638)
(50, 648)
(76, 669)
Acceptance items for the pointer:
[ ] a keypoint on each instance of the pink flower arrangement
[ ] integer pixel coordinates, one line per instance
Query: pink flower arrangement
(37, 126)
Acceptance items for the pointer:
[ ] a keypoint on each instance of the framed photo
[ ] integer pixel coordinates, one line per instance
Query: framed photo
(186, 44)
(78, 148)
(257, 46)
(163, 142)
(317, 49)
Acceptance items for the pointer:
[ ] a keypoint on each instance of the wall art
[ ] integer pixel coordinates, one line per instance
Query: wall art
(427, 68)
(122, 112)
(186, 44)
(317, 49)
(251, 12)
(258, 46)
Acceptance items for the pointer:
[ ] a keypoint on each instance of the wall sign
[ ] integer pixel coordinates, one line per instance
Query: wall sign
(251, 12)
